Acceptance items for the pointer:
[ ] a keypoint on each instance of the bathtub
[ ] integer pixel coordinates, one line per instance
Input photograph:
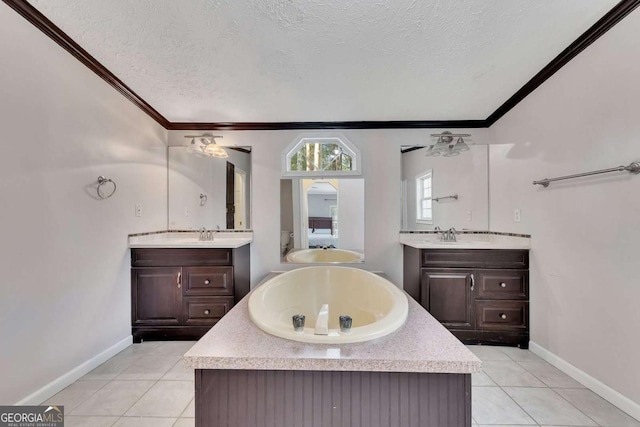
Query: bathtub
(376, 305)
(324, 256)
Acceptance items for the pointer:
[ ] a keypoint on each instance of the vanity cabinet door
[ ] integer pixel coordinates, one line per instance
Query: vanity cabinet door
(448, 295)
(156, 296)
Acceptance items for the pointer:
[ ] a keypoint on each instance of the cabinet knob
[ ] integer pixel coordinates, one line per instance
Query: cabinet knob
(503, 316)
(503, 285)
(206, 282)
(207, 311)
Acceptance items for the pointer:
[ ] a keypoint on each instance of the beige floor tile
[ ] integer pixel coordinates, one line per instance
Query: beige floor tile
(113, 399)
(173, 348)
(80, 421)
(164, 399)
(486, 352)
(145, 422)
(481, 379)
(190, 412)
(550, 375)
(601, 411)
(510, 374)
(185, 422)
(75, 394)
(149, 367)
(112, 367)
(520, 355)
(547, 407)
(179, 372)
(491, 405)
(143, 348)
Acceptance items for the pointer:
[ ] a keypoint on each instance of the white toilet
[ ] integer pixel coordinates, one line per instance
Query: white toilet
(285, 238)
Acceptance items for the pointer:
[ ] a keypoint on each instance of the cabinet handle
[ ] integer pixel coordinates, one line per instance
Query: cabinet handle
(473, 282)
(179, 279)
(207, 312)
(503, 316)
(206, 282)
(503, 285)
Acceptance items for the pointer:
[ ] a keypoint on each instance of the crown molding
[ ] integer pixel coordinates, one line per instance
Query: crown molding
(398, 124)
(604, 24)
(50, 29)
(615, 15)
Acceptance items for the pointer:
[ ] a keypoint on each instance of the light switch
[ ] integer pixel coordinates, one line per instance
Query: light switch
(469, 216)
(187, 212)
(138, 209)
(516, 215)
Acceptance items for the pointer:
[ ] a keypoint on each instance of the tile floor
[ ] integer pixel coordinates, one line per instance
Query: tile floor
(146, 385)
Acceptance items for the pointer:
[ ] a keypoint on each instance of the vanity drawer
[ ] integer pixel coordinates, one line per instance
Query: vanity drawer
(205, 311)
(503, 284)
(179, 257)
(207, 281)
(475, 258)
(502, 315)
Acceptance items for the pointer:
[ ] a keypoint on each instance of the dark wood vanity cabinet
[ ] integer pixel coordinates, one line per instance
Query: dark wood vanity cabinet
(181, 293)
(480, 295)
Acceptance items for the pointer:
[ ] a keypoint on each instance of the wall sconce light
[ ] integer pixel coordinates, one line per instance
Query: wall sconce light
(444, 144)
(206, 145)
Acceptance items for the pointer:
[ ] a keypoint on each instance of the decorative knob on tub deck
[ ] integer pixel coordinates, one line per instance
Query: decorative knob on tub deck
(345, 324)
(298, 322)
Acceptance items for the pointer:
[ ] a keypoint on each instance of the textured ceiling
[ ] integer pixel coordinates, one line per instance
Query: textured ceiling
(324, 60)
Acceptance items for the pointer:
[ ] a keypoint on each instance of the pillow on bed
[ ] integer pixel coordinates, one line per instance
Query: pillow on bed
(320, 231)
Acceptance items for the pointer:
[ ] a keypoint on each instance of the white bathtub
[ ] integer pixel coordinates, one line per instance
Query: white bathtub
(376, 305)
(306, 256)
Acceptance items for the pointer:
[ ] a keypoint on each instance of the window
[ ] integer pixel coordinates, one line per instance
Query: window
(326, 155)
(424, 206)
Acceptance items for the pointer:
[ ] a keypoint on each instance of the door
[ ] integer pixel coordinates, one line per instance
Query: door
(448, 295)
(240, 217)
(156, 296)
(231, 206)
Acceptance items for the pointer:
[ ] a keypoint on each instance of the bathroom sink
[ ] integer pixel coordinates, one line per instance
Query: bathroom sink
(376, 305)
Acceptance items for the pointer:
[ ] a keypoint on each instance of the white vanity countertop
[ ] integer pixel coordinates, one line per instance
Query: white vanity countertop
(422, 344)
(466, 241)
(221, 239)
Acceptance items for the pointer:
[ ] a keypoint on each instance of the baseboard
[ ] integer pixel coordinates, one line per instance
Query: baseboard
(624, 403)
(75, 374)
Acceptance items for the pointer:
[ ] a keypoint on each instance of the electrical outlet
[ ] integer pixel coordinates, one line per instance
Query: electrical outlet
(516, 215)
(187, 212)
(469, 216)
(138, 209)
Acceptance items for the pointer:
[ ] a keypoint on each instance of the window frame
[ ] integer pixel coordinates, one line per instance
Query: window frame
(420, 179)
(328, 138)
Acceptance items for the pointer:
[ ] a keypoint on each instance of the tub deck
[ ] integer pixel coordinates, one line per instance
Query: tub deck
(418, 375)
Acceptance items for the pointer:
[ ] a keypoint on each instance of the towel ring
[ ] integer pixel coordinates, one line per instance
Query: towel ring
(102, 181)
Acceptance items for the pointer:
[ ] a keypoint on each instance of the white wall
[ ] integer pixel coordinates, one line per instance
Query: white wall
(381, 171)
(64, 258)
(584, 277)
(466, 175)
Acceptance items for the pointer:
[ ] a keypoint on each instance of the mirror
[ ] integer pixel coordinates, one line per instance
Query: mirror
(445, 191)
(209, 192)
(322, 220)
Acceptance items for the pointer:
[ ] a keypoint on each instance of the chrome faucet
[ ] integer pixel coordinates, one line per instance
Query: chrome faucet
(206, 234)
(449, 235)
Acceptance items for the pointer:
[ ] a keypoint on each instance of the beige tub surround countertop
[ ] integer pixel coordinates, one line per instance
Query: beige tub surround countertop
(422, 344)
(466, 240)
(190, 239)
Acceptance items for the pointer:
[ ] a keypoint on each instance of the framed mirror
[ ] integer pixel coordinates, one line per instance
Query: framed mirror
(445, 191)
(209, 192)
(322, 220)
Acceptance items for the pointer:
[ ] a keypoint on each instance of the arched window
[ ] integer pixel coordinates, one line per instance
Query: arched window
(325, 155)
